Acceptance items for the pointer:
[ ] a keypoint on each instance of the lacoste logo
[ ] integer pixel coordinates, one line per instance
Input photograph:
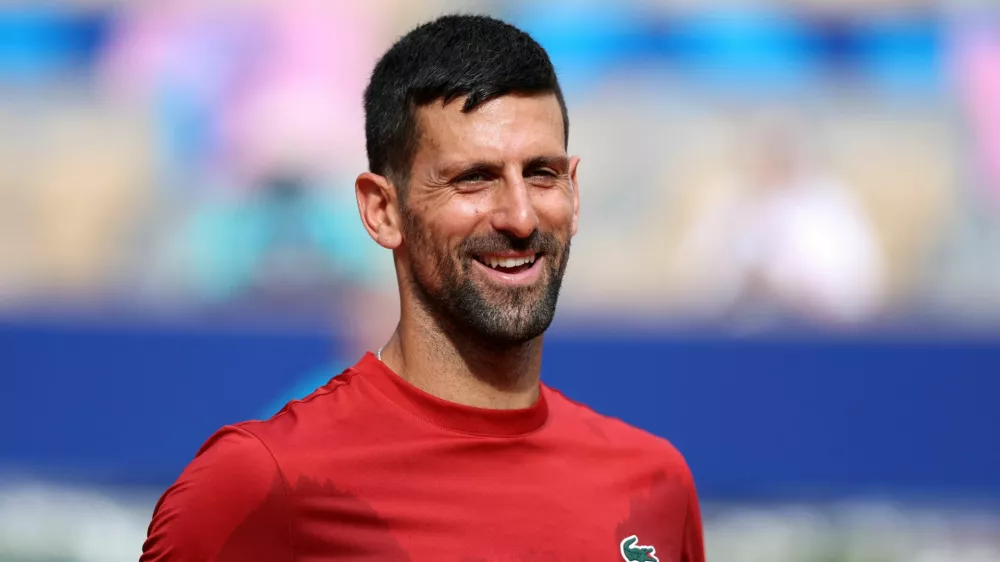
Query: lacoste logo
(637, 553)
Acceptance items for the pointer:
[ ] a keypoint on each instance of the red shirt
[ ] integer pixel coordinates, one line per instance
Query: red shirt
(369, 467)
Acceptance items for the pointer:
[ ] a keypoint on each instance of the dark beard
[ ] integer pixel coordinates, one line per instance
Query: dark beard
(508, 316)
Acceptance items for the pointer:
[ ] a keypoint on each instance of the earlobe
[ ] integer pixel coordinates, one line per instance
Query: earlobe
(377, 205)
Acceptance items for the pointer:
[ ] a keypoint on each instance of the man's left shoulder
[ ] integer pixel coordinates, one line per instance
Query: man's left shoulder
(616, 436)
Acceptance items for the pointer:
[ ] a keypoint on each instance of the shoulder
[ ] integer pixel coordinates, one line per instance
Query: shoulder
(232, 501)
(233, 488)
(616, 436)
(233, 464)
(326, 412)
(231, 460)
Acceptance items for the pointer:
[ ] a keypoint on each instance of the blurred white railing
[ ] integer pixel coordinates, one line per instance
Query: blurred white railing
(41, 522)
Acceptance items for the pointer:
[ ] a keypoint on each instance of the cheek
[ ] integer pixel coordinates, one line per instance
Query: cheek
(470, 211)
(555, 208)
(435, 246)
(456, 220)
(430, 259)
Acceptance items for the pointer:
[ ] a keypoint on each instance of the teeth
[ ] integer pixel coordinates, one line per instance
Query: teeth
(507, 263)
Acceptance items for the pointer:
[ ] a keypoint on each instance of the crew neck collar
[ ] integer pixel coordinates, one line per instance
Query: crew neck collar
(450, 415)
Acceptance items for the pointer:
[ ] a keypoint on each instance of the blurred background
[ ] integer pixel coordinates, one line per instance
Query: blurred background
(788, 261)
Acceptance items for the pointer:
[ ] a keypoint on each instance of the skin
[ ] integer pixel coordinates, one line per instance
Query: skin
(497, 178)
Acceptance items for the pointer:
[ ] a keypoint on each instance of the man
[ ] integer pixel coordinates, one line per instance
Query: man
(445, 445)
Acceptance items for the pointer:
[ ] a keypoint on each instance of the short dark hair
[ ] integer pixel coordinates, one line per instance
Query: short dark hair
(457, 55)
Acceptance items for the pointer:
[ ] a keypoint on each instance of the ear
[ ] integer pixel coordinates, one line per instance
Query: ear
(379, 208)
(574, 162)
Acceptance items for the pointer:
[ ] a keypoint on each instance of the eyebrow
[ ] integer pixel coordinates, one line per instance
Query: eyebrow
(559, 163)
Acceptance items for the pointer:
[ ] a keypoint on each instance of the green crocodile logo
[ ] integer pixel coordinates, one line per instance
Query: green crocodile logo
(637, 553)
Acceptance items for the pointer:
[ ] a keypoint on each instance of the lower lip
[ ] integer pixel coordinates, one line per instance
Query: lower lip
(526, 277)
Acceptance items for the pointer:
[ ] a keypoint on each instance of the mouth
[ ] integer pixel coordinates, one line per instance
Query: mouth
(520, 268)
(508, 263)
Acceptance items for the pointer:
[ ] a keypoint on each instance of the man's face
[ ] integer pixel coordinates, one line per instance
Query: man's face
(488, 216)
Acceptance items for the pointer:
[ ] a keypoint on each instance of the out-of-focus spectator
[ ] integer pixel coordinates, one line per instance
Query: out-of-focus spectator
(788, 237)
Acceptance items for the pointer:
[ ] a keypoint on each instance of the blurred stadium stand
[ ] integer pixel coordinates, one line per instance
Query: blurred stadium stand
(788, 260)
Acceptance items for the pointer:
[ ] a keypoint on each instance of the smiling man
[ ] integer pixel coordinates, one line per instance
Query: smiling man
(445, 445)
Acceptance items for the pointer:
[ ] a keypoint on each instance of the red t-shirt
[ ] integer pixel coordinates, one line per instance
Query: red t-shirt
(369, 467)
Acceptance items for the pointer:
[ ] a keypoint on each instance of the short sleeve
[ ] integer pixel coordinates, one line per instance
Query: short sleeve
(230, 503)
(694, 544)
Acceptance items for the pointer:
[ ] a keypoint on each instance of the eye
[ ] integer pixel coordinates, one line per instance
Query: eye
(542, 173)
(473, 177)
(542, 177)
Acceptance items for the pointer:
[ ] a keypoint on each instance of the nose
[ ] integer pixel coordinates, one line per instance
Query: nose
(513, 209)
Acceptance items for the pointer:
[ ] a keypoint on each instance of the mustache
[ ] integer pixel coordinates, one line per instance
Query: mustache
(498, 242)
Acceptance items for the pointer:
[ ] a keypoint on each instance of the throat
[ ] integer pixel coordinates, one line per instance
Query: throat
(455, 367)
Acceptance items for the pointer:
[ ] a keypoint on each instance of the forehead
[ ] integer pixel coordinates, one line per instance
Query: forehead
(511, 127)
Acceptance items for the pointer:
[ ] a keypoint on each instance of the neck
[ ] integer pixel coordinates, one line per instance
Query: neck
(461, 369)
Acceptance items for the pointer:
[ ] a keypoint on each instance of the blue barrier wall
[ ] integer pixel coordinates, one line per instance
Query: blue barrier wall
(761, 418)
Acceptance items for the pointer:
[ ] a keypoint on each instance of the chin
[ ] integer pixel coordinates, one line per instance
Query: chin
(512, 333)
